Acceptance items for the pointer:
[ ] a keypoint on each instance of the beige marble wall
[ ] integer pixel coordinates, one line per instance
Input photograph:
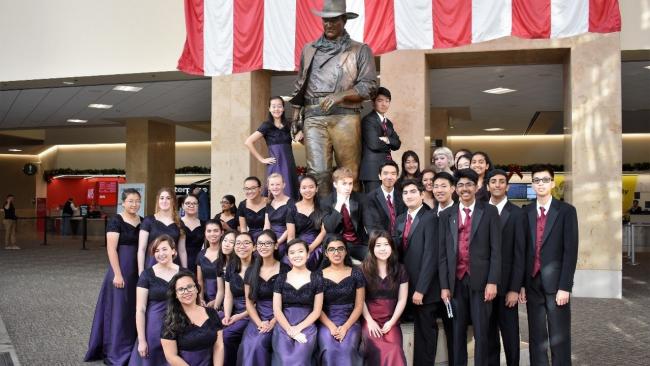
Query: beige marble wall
(150, 156)
(239, 104)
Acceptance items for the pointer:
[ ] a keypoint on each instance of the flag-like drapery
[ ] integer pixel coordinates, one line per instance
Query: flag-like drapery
(231, 36)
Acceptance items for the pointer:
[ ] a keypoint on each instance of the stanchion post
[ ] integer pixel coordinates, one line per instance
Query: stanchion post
(85, 233)
(633, 247)
(45, 231)
(105, 224)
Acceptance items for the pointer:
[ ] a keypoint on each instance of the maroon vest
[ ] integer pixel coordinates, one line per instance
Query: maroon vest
(462, 258)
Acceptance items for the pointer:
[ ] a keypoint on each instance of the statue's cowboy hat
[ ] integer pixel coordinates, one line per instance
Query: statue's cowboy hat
(333, 9)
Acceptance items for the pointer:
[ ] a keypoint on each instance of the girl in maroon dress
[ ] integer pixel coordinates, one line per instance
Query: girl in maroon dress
(386, 295)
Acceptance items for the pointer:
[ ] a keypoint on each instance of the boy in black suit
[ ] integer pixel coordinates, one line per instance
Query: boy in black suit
(505, 312)
(384, 204)
(343, 213)
(378, 140)
(416, 236)
(551, 255)
(470, 265)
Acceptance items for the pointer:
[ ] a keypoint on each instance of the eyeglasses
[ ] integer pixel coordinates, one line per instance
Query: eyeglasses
(250, 189)
(227, 202)
(468, 185)
(186, 289)
(333, 250)
(265, 244)
(542, 180)
(243, 243)
(191, 204)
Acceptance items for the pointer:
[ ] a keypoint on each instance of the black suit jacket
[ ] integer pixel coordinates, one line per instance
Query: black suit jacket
(559, 253)
(484, 247)
(420, 259)
(377, 214)
(333, 220)
(374, 150)
(513, 248)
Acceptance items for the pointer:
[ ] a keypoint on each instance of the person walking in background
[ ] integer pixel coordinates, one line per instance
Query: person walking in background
(204, 202)
(9, 222)
(66, 214)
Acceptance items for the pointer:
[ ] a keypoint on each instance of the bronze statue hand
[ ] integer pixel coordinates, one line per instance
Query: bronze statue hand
(330, 101)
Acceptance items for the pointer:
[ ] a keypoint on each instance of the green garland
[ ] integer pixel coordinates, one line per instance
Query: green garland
(636, 167)
(49, 174)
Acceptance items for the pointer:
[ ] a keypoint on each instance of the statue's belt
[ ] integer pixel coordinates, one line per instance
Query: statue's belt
(314, 110)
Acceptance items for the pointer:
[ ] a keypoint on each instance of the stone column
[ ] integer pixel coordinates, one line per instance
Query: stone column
(239, 105)
(406, 75)
(593, 158)
(150, 157)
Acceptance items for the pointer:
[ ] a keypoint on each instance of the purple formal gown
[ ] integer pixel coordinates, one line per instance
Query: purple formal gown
(232, 334)
(255, 347)
(210, 271)
(297, 304)
(155, 229)
(338, 304)
(113, 329)
(381, 302)
(278, 220)
(254, 220)
(194, 240)
(196, 343)
(156, 308)
(307, 229)
(278, 141)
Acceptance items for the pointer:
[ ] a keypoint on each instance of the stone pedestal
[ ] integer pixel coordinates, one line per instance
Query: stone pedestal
(150, 157)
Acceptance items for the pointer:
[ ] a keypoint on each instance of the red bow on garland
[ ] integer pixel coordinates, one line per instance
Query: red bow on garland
(514, 169)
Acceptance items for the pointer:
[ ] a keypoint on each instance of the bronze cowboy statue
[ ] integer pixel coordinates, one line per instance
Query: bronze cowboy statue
(336, 75)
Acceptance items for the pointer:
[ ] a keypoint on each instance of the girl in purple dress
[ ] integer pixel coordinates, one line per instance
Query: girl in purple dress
(228, 214)
(252, 211)
(164, 221)
(260, 278)
(297, 304)
(276, 131)
(190, 332)
(304, 221)
(151, 303)
(113, 332)
(277, 209)
(193, 229)
(386, 295)
(339, 331)
(209, 269)
(235, 316)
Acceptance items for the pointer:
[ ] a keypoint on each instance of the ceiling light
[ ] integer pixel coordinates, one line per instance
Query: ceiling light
(128, 88)
(100, 106)
(15, 150)
(74, 120)
(493, 129)
(499, 91)
(647, 67)
(68, 82)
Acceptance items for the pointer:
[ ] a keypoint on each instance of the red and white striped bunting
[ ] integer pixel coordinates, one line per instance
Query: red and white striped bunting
(231, 36)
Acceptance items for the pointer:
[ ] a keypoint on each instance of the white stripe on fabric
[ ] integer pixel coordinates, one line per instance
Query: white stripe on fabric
(491, 19)
(218, 37)
(279, 34)
(569, 18)
(355, 27)
(414, 24)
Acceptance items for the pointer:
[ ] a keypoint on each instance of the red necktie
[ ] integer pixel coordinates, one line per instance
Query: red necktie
(391, 211)
(541, 224)
(407, 229)
(384, 128)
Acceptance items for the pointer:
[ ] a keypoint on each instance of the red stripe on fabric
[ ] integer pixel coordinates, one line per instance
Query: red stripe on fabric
(379, 26)
(531, 18)
(452, 23)
(191, 60)
(248, 35)
(308, 26)
(604, 16)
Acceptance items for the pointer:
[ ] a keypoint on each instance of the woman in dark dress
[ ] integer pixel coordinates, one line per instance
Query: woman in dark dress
(260, 278)
(481, 164)
(386, 296)
(251, 212)
(304, 221)
(339, 331)
(113, 332)
(276, 131)
(190, 331)
(297, 304)
(151, 303)
(235, 316)
(228, 214)
(410, 168)
(208, 266)
(193, 228)
(427, 181)
(164, 221)
(277, 209)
